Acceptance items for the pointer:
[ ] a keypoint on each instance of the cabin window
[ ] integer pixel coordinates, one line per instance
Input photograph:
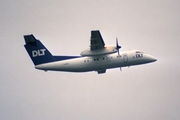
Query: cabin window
(86, 60)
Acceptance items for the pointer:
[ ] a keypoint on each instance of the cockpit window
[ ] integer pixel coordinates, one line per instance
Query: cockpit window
(139, 52)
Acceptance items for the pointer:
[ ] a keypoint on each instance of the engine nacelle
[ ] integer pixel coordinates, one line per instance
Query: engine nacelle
(105, 50)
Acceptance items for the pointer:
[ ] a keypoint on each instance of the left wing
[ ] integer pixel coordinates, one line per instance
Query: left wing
(97, 41)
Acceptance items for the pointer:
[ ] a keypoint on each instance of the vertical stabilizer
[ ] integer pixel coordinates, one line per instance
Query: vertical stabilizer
(38, 53)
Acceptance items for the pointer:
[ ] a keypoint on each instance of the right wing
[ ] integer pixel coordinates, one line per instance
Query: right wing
(97, 41)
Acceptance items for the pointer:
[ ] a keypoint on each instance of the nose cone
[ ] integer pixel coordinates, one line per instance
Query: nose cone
(151, 58)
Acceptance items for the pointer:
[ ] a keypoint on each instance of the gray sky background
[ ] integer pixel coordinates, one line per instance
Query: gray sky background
(147, 92)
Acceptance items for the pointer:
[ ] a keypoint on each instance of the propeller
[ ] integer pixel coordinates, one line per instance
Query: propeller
(117, 46)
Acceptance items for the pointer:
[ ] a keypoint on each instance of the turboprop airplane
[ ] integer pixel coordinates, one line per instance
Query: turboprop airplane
(97, 58)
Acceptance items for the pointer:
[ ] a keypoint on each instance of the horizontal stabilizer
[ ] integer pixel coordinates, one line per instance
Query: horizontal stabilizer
(29, 38)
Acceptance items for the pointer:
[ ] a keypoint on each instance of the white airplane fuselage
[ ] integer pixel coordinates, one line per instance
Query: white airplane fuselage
(98, 57)
(98, 63)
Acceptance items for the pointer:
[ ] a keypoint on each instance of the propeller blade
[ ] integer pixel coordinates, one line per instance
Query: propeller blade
(117, 46)
(118, 51)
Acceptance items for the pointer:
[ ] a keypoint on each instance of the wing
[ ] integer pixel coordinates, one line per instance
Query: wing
(96, 40)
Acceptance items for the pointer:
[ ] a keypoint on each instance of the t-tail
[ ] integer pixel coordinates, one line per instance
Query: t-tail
(38, 53)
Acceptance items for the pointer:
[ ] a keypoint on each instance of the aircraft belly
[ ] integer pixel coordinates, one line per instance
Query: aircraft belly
(72, 66)
(84, 67)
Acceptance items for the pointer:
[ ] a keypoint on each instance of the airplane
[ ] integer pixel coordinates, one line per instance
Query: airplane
(97, 58)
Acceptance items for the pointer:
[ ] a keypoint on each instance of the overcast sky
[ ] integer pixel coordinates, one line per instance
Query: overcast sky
(146, 92)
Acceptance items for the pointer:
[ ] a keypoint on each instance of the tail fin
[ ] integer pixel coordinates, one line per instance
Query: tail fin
(38, 53)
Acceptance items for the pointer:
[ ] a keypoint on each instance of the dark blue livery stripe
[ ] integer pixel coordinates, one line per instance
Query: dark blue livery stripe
(60, 58)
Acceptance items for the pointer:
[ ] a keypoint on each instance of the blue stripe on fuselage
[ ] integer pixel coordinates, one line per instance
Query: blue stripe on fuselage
(59, 58)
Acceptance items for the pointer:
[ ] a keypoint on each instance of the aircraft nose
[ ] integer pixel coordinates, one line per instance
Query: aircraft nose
(151, 58)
